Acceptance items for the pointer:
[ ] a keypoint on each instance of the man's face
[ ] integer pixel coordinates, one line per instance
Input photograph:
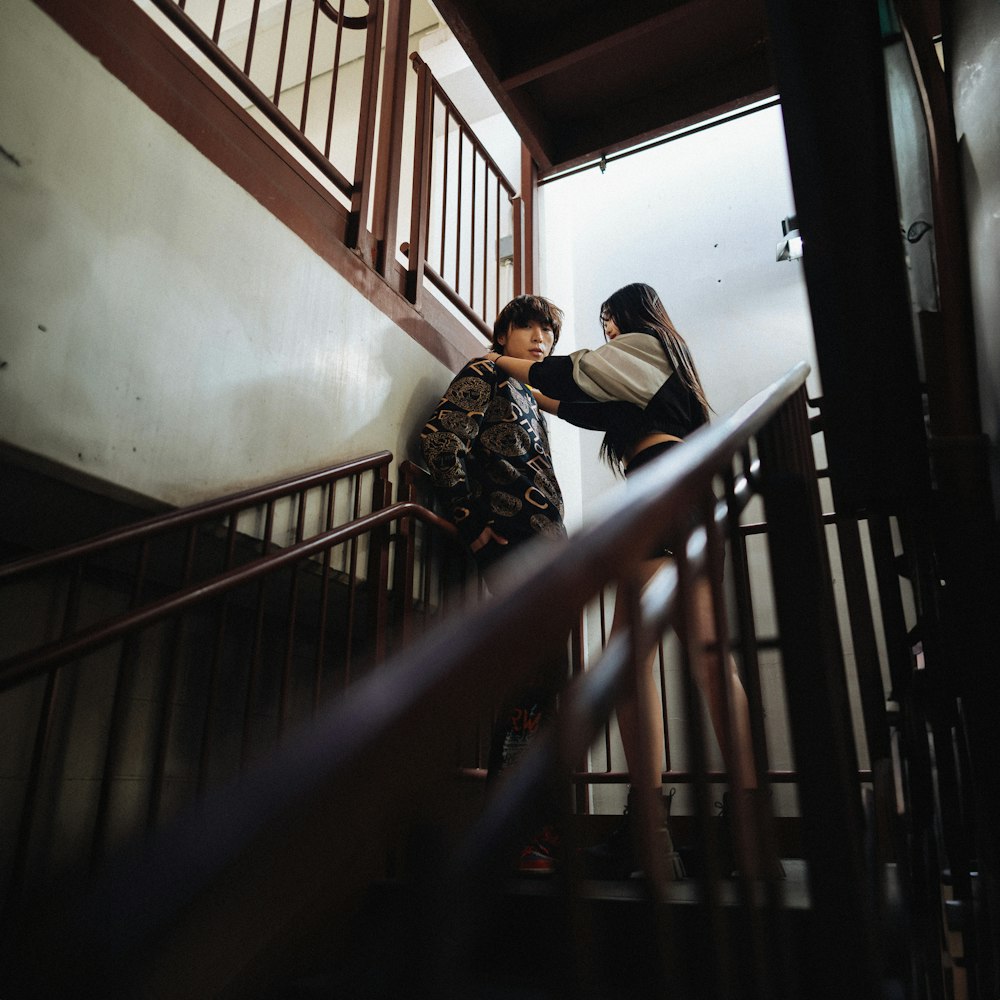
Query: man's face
(528, 343)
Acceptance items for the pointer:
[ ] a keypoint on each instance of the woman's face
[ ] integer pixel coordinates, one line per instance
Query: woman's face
(610, 327)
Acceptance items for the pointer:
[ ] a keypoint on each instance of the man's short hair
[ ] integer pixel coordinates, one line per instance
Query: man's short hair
(524, 310)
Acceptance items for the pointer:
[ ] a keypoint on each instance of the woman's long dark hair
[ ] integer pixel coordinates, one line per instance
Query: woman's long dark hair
(637, 308)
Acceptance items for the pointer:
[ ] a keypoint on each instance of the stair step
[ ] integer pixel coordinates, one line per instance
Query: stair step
(793, 890)
(518, 948)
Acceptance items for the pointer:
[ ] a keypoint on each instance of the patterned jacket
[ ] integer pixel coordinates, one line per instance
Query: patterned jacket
(487, 450)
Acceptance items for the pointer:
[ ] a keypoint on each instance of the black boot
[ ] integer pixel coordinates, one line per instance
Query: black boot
(756, 811)
(619, 856)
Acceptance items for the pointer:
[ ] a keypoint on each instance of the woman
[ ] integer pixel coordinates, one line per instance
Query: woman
(642, 389)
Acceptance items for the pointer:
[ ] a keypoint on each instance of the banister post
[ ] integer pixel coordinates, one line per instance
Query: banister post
(403, 561)
(378, 565)
(391, 138)
(356, 234)
(420, 202)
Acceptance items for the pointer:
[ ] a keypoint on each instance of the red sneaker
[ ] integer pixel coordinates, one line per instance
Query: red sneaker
(541, 856)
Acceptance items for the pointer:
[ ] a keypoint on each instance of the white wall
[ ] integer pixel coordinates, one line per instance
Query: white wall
(159, 328)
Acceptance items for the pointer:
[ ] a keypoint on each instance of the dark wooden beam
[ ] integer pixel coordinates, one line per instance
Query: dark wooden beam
(831, 76)
(579, 41)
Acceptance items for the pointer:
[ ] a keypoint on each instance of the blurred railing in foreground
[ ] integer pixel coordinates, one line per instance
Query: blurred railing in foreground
(252, 837)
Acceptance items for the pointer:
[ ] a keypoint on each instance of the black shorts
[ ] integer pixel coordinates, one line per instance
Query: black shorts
(647, 455)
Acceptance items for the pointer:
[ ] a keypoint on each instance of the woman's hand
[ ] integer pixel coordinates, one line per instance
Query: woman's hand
(485, 537)
(545, 402)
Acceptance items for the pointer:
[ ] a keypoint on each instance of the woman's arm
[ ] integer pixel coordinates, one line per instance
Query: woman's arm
(551, 377)
(588, 415)
(593, 416)
(519, 369)
(511, 366)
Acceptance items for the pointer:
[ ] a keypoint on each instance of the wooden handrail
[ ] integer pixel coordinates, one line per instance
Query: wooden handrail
(16, 669)
(186, 516)
(203, 599)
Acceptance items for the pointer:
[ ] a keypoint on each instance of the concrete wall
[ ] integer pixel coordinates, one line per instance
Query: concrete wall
(159, 328)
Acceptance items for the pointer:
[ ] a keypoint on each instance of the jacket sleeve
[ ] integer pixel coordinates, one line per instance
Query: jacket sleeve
(594, 416)
(554, 378)
(630, 368)
(447, 441)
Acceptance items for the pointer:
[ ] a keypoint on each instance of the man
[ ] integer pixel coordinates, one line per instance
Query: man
(487, 449)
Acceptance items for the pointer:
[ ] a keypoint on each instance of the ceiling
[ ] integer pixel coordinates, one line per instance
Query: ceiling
(583, 78)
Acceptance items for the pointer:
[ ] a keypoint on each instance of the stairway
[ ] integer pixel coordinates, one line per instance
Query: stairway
(537, 941)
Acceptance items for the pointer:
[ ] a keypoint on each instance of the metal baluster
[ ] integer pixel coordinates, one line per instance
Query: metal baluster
(217, 28)
(168, 693)
(472, 229)
(324, 603)
(310, 57)
(282, 49)
(458, 207)
(334, 78)
(251, 36)
(352, 586)
(445, 161)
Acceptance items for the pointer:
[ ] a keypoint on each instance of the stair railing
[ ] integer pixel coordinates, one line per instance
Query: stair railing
(324, 797)
(318, 47)
(465, 217)
(156, 660)
(460, 248)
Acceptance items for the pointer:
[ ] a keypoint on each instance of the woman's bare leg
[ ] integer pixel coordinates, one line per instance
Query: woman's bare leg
(640, 710)
(732, 730)
(640, 721)
(730, 714)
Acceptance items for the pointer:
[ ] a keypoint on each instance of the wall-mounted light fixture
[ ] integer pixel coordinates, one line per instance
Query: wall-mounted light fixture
(790, 248)
(506, 250)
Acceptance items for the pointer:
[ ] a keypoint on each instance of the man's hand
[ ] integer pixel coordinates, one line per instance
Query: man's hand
(487, 535)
